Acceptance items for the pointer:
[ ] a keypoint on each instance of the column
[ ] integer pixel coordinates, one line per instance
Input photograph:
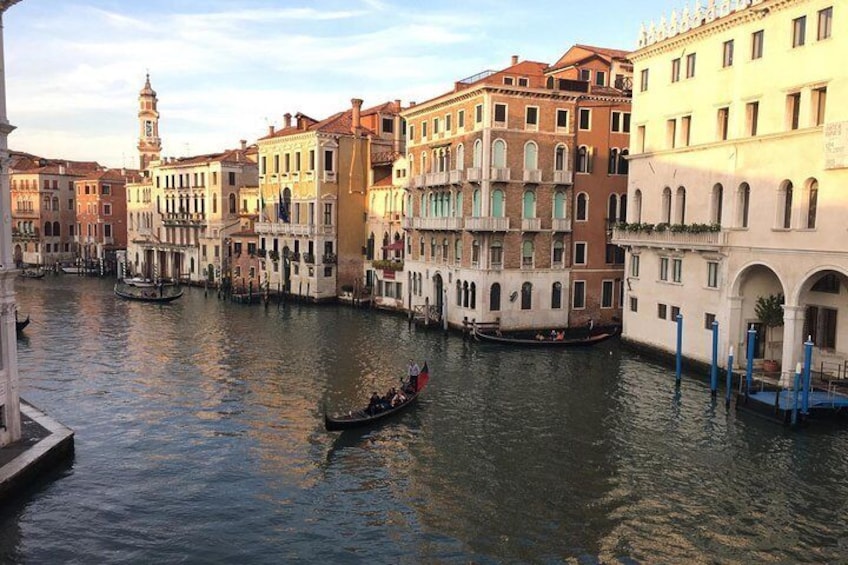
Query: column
(736, 329)
(793, 341)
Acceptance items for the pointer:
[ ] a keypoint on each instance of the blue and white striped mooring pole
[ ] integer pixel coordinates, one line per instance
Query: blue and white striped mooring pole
(749, 369)
(714, 367)
(729, 376)
(808, 358)
(679, 363)
(795, 394)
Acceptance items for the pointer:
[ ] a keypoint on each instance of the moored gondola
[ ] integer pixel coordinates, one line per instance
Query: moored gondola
(542, 340)
(161, 293)
(365, 417)
(21, 324)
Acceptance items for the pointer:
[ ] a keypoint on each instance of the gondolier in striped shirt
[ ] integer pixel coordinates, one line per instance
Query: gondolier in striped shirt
(412, 372)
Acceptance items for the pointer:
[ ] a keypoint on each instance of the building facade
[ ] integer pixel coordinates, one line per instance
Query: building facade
(313, 178)
(101, 227)
(495, 166)
(737, 161)
(385, 277)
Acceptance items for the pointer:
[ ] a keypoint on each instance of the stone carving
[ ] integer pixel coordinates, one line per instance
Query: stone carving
(686, 19)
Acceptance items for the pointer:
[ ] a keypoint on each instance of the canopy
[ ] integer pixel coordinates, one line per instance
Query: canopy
(396, 246)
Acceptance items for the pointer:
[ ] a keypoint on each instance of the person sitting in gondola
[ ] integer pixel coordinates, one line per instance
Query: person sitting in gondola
(398, 399)
(375, 404)
(560, 336)
(540, 337)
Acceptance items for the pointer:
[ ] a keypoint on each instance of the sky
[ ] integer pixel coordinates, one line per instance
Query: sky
(226, 70)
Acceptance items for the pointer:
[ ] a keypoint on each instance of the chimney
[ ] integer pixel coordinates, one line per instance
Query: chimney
(357, 108)
(514, 59)
(411, 103)
(287, 120)
(397, 105)
(271, 129)
(243, 144)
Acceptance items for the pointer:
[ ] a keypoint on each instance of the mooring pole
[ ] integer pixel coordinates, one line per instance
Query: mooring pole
(795, 394)
(729, 376)
(714, 367)
(679, 363)
(808, 357)
(749, 369)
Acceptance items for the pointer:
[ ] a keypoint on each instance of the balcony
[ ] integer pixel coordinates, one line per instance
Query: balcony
(531, 224)
(563, 177)
(436, 179)
(474, 174)
(437, 224)
(561, 225)
(309, 258)
(328, 176)
(532, 176)
(695, 237)
(329, 259)
(455, 177)
(407, 224)
(500, 174)
(487, 224)
(18, 235)
(279, 228)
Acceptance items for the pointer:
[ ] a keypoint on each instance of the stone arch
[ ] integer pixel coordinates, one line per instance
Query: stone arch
(751, 281)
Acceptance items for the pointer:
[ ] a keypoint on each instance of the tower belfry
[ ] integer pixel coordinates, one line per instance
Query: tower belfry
(149, 144)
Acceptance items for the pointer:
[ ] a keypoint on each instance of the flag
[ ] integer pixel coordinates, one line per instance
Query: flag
(284, 209)
(261, 204)
(423, 377)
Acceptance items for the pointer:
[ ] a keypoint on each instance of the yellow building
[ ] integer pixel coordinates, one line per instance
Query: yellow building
(313, 177)
(738, 162)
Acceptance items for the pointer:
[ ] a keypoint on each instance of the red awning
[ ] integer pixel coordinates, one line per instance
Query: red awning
(396, 246)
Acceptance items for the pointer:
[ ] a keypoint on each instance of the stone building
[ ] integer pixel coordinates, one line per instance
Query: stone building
(736, 167)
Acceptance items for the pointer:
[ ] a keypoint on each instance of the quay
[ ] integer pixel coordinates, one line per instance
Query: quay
(45, 445)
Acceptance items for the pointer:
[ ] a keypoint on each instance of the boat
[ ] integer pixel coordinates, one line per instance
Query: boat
(139, 282)
(529, 340)
(31, 274)
(360, 418)
(162, 293)
(73, 269)
(21, 324)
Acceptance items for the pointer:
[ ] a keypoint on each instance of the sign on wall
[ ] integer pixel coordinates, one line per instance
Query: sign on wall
(836, 145)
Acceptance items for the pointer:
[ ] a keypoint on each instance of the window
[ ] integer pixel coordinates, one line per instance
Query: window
(757, 39)
(585, 119)
(675, 312)
(675, 70)
(727, 54)
(496, 254)
(785, 196)
(600, 78)
(634, 304)
(388, 125)
(578, 301)
(560, 160)
(495, 297)
(723, 119)
(328, 214)
(523, 81)
(812, 204)
(685, 128)
(716, 204)
(744, 203)
(329, 160)
(499, 154)
(585, 75)
(793, 110)
(531, 117)
(448, 122)
(607, 294)
(460, 119)
(231, 178)
(526, 296)
(531, 156)
(829, 283)
(825, 22)
(435, 126)
(677, 270)
(643, 80)
(558, 252)
(819, 103)
(556, 295)
(671, 133)
(690, 65)
(580, 253)
(640, 139)
(423, 130)
(478, 114)
(562, 120)
(621, 122)
(708, 321)
(662, 311)
(752, 111)
(663, 268)
(584, 160)
(582, 212)
(412, 132)
(107, 209)
(799, 31)
(712, 274)
(527, 253)
(508, 80)
(500, 114)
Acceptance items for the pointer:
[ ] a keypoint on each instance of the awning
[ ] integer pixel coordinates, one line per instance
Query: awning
(396, 246)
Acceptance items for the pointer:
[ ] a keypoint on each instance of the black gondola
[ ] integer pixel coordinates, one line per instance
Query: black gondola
(161, 293)
(31, 274)
(20, 325)
(518, 339)
(359, 418)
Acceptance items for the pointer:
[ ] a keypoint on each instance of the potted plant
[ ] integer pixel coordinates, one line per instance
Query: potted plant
(769, 310)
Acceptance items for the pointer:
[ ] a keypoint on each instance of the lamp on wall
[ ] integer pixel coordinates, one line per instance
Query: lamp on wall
(513, 296)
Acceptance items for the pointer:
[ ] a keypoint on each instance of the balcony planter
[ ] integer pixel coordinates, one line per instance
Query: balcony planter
(388, 265)
(274, 255)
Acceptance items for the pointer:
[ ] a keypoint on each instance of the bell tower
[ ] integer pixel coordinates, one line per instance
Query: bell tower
(149, 144)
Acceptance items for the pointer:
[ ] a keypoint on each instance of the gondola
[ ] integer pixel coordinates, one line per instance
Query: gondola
(518, 339)
(164, 293)
(20, 325)
(360, 418)
(30, 274)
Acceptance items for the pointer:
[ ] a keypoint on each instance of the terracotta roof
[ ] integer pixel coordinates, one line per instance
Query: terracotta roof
(229, 155)
(339, 123)
(579, 53)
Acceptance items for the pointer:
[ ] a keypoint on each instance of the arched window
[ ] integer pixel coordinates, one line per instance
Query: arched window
(680, 208)
(556, 295)
(612, 208)
(477, 157)
(48, 228)
(812, 201)
(498, 203)
(558, 253)
(369, 249)
(458, 292)
(214, 203)
(622, 208)
(549, 83)
(423, 207)
(531, 156)
(529, 207)
(561, 158)
(475, 204)
(666, 205)
(716, 204)
(581, 213)
(526, 296)
(465, 294)
(458, 209)
(424, 163)
(495, 297)
(613, 161)
(55, 203)
(385, 252)
(472, 299)
(56, 229)
(623, 163)
(559, 205)
(460, 157)
(475, 252)
(232, 199)
(496, 254)
(583, 160)
(785, 195)
(499, 154)
(457, 250)
(527, 252)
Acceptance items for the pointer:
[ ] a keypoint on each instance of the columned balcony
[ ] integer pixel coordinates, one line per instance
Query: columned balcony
(419, 181)
(533, 176)
(531, 224)
(563, 177)
(500, 174)
(437, 179)
(455, 177)
(407, 223)
(475, 174)
(561, 224)
(437, 224)
(487, 224)
(279, 228)
(672, 237)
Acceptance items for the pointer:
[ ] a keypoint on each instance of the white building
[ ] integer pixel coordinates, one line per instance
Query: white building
(737, 123)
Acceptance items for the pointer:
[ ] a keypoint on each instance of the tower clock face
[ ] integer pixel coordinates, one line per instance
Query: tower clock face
(148, 128)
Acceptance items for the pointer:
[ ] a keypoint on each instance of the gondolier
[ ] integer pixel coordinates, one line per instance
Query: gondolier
(412, 373)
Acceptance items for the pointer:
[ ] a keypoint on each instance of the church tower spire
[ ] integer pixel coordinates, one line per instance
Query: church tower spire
(149, 144)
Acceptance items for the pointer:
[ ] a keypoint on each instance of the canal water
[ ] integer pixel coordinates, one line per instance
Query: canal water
(199, 438)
